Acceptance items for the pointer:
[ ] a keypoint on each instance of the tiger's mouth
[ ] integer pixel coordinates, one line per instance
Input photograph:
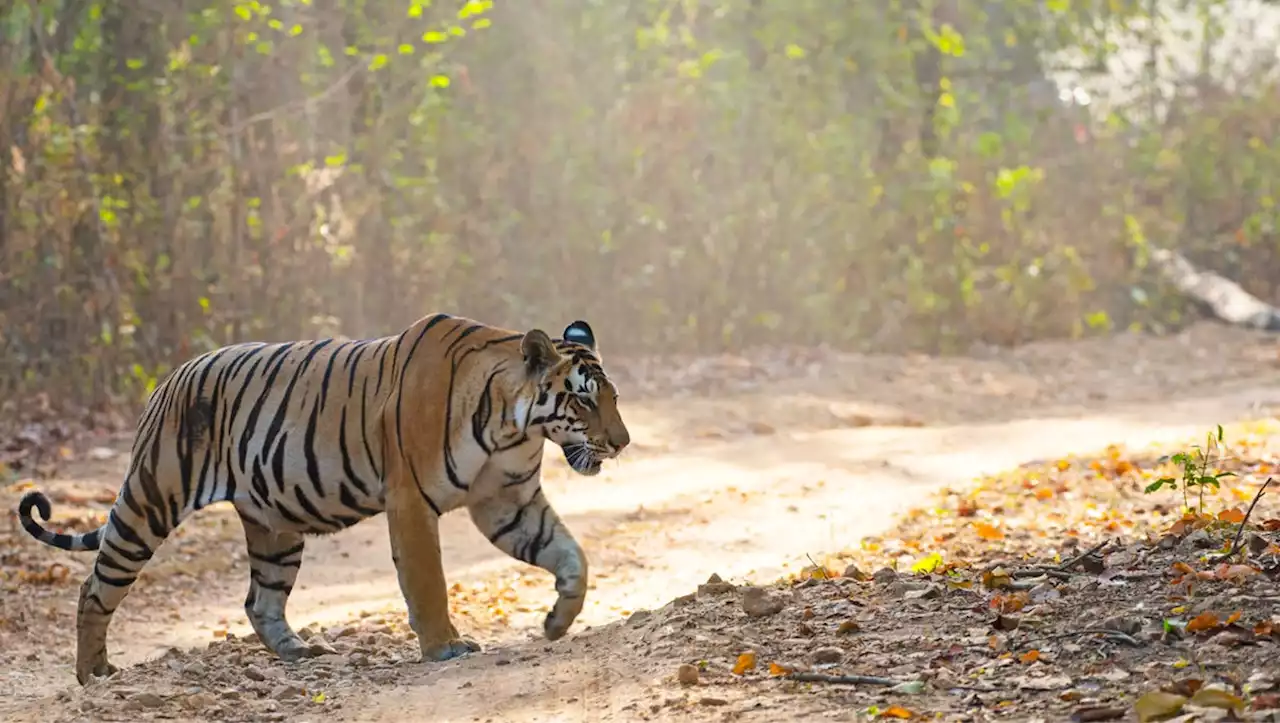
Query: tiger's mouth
(582, 459)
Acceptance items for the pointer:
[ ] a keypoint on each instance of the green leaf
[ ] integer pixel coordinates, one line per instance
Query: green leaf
(379, 61)
(927, 564)
(440, 81)
(335, 160)
(405, 49)
(794, 51)
(434, 36)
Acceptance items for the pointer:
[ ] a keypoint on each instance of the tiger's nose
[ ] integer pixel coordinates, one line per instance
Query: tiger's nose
(619, 440)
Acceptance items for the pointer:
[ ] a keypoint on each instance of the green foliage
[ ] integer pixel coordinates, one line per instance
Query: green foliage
(1195, 471)
(702, 174)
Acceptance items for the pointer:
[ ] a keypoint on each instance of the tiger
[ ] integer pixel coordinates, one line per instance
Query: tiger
(307, 438)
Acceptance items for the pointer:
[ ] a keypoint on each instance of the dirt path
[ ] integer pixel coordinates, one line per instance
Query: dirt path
(763, 463)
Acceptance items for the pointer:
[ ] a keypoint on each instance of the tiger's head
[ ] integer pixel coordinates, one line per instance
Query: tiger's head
(574, 403)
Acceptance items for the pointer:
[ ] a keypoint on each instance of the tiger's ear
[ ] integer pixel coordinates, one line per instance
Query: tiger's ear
(539, 352)
(579, 332)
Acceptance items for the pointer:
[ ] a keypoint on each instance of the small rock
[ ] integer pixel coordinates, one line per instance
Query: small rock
(829, 654)
(848, 627)
(1127, 624)
(686, 599)
(199, 701)
(1168, 542)
(148, 700)
(1043, 593)
(884, 575)
(687, 674)
(101, 454)
(928, 592)
(712, 701)
(854, 573)
(758, 602)
(639, 617)
(1258, 544)
(229, 694)
(287, 691)
(910, 687)
(1198, 540)
(255, 673)
(306, 633)
(715, 586)
(195, 670)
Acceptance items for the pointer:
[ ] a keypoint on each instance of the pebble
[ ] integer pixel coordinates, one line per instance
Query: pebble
(758, 602)
(148, 700)
(687, 674)
(253, 672)
(826, 655)
(287, 691)
(639, 617)
(884, 575)
(1044, 592)
(196, 669)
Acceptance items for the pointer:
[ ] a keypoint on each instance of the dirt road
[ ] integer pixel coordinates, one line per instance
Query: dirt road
(744, 467)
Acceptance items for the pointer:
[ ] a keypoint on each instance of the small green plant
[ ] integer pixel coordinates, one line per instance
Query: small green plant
(1195, 471)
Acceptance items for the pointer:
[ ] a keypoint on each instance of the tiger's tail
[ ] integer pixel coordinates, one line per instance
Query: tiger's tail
(73, 543)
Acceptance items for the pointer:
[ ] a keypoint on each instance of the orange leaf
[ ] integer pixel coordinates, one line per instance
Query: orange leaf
(1203, 621)
(988, 532)
(1233, 617)
(1263, 629)
(896, 711)
(776, 669)
(746, 661)
(1030, 656)
(1234, 572)
(1183, 568)
(1233, 515)
(1044, 493)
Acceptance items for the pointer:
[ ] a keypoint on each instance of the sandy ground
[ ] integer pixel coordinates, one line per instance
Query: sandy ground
(742, 466)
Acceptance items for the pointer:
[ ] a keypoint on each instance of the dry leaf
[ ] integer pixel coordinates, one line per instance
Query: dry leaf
(996, 579)
(1030, 656)
(1204, 621)
(1235, 516)
(1234, 572)
(1183, 568)
(896, 711)
(987, 531)
(777, 669)
(1232, 618)
(1216, 698)
(1158, 704)
(746, 661)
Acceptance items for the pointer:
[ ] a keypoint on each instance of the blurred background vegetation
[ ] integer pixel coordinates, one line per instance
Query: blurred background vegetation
(686, 174)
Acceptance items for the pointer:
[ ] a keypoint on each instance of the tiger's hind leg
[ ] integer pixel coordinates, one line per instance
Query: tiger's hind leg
(274, 561)
(125, 549)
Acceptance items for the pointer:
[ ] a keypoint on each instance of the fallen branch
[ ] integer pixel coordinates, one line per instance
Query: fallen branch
(842, 679)
(1066, 566)
(1235, 544)
(1224, 298)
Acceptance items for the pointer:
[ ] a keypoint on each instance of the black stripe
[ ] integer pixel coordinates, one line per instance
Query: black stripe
(278, 558)
(309, 449)
(275, 361)
(347, 468)
(346, 498)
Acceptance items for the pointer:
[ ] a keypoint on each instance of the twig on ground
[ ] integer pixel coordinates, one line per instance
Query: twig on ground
(842, 679)
(1116, 635)
(1066, 566)
(823, 568)
(1235, 544)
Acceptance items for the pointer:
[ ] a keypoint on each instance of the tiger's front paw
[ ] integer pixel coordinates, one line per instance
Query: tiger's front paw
(560, 618)
(448, 650)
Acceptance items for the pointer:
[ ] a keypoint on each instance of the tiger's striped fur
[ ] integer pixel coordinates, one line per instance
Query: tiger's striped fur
(311, 437)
